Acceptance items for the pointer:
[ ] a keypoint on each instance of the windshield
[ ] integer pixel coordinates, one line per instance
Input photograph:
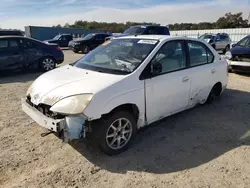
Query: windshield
(206, 37)
(134, 30)
(244, 42)
(119, 56)
(57, 37)
(89, 36)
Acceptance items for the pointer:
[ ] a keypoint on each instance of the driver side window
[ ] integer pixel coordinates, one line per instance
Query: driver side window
(171, 57)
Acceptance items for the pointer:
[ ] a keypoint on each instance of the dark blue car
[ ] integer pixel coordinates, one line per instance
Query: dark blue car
(239, 56)
(21, 53)
(144, 30)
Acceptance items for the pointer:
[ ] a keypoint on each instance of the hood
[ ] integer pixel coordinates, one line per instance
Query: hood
(50, 40)
(240, 50)
(121, 35)
(80, 40)
(66, 81)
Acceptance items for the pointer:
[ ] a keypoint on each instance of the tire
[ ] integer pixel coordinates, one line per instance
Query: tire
(47, 64)
(85, 49)
(108, 134)
(214, 94)
(226, 49)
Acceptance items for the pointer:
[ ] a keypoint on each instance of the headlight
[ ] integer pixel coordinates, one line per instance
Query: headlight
(29, 90)
(72, 105)
(228, 55)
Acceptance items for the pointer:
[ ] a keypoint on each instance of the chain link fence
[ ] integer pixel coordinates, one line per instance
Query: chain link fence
(235, 34)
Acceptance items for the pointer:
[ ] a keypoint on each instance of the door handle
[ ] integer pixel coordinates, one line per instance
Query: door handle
(213, 71)
(185, 79)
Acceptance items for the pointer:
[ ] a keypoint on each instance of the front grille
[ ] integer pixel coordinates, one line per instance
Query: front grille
(242, 58)
(45, 109)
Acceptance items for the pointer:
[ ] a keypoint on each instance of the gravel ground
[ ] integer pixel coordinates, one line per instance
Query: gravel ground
(207, 146)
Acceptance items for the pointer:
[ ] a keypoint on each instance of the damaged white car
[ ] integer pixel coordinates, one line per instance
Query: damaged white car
(124, 85)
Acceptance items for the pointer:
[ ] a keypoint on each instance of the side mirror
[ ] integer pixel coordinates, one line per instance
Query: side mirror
(217, 40)
(233, 45)
(156, 68)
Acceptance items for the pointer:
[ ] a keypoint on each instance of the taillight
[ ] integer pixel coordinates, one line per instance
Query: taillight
(58, 48)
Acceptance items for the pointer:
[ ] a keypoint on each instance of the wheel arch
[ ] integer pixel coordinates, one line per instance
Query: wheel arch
(218, 88)
(129, 107)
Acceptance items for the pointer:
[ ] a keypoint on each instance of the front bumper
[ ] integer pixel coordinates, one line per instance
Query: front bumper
(74, 47)
(67, 129)
(240, 66)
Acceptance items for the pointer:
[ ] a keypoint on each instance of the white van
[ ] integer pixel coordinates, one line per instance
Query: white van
(124, 85)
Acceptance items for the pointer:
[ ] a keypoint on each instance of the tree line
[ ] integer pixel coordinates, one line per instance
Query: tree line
(229, 20)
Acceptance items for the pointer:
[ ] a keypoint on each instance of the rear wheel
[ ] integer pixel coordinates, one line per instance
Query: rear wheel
(47, 64)
(214, 93)
(115, 132)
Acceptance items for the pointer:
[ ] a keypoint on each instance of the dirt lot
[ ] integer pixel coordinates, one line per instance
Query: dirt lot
(204, 147)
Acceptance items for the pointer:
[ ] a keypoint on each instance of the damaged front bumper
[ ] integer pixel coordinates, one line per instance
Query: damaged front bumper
(67, 129)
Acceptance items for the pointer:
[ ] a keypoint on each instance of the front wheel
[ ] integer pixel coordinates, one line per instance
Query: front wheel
(47, 64)
(85, 49)
(115, 132)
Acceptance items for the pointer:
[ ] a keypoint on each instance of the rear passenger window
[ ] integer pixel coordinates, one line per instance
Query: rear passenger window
(3, 44)
(199, 54)
(13, 43)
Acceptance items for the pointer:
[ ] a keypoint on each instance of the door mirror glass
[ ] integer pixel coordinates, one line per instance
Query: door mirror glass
(156, 68)
(233, 45)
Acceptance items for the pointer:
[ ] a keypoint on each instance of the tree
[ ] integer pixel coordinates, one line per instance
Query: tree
(232, 21)
(229, 20)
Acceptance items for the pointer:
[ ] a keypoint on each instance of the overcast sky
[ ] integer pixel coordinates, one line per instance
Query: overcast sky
(20, 13)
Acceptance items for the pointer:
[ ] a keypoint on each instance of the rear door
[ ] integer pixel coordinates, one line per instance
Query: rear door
(32, 52)
(11, 55)
(202, 70)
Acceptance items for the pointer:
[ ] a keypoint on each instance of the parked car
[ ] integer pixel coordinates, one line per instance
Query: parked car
(239, 56)
(21, 53)
(10, 32)
(124, 85)
(143, 30)
(219, 41)
(62, 40)
(87, 43)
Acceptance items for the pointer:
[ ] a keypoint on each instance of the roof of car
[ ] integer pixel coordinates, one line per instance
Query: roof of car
(154, 37)
(12, 36)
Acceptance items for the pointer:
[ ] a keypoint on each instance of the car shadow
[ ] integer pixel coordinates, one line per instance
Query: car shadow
(182, 141)
(23, 76)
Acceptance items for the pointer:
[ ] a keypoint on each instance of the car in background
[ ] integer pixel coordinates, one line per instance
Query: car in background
(239, 56)
(143, 30)
(219, 41)
(10, 32)
(21, 53)
(87, 43)
(124, 85)
(61, 39)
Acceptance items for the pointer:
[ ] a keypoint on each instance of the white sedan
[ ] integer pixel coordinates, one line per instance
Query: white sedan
(124, 85)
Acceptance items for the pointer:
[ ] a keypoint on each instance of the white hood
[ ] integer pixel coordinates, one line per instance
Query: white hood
(66, 81)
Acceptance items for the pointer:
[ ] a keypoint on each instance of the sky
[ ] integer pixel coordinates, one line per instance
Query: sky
(15, 14)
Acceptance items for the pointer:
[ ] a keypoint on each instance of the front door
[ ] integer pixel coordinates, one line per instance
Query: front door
(11, 55)
(167, 92)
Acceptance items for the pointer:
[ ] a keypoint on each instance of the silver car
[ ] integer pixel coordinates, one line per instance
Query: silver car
(220, 41)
